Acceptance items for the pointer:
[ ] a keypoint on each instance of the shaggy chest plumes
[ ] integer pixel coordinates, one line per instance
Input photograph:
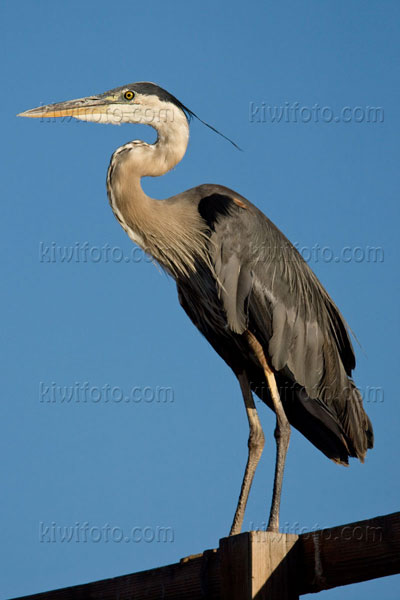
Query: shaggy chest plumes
(172, 233)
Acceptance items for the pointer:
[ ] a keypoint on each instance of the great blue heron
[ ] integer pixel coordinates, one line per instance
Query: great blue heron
(242, 283)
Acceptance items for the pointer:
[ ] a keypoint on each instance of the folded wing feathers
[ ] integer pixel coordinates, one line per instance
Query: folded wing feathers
(299, 325)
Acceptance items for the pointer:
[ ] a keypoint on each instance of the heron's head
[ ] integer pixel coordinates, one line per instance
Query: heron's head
(140, 102)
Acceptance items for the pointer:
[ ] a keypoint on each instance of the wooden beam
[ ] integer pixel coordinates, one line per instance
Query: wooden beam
(349, 553)
(259, 565)
(193, 578)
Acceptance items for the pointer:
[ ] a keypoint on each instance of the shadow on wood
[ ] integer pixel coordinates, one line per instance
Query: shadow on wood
(258, 565)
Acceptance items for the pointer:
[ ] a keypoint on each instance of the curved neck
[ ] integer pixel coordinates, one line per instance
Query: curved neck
(172, 139)
(153, 160)
(137, 159)
(171, 232)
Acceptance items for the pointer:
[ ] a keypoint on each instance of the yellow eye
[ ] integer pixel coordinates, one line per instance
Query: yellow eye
(129, 95)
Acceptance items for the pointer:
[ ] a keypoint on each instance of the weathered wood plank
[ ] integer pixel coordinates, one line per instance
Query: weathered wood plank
(349, 554)
(193, 578)
(238, 570)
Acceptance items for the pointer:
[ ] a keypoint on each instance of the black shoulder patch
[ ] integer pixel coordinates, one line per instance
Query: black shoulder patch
(212, 207)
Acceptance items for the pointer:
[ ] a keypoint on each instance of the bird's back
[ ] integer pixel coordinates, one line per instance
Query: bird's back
(260, 282)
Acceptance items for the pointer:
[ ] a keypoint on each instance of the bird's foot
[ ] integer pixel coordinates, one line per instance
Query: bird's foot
(236, 528)
(273, 523)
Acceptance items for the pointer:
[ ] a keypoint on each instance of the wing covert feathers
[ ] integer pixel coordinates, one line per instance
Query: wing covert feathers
(266, 286)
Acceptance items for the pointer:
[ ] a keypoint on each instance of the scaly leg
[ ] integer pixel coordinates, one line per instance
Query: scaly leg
(256, 445)
(282, 432)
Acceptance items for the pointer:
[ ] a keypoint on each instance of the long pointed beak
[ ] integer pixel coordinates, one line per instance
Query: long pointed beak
(79, 108)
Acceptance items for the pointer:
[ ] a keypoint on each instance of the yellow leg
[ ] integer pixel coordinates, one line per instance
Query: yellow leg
(282, 432)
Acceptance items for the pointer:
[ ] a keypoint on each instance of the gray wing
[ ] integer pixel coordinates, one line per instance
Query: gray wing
(266, 286)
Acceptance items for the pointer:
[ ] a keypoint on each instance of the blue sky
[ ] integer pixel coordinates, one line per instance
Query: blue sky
(171, 458)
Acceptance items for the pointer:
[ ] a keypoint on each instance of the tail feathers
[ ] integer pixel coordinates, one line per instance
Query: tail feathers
(337, 434)
(319, 426)
(355, 422)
